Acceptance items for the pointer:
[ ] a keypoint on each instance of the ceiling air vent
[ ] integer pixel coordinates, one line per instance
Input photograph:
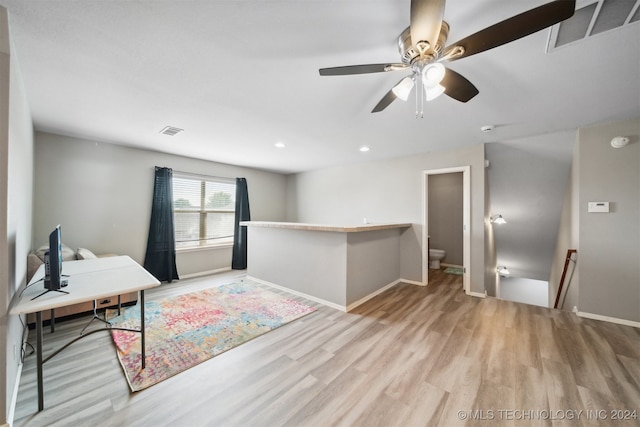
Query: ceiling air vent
(171, 131)
(594, 17)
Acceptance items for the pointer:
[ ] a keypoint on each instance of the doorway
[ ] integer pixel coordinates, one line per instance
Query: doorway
(466, 220)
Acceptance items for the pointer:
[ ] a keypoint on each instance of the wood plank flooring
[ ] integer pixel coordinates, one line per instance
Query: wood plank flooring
(412, 356)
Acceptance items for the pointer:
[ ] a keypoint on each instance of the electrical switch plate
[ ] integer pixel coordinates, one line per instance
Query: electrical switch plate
(598, 207)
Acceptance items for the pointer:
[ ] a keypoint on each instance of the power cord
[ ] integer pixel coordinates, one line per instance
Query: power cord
(25, 344)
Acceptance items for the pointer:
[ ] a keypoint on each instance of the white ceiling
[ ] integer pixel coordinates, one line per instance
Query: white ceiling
(240, 75)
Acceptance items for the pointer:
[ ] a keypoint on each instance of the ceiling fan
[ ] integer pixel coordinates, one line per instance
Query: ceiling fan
(422, 49)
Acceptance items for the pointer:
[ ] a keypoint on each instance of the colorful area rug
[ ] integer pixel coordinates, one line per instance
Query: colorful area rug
(454, 270)
(186, 330)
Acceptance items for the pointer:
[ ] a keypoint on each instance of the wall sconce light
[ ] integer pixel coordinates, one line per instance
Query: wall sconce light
(498, 219)
(619, 142)
(502, 271)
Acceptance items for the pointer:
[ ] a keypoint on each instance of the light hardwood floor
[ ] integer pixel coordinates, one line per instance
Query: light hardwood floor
(413, 356)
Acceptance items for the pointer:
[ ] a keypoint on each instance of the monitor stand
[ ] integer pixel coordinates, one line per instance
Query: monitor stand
(49, 290)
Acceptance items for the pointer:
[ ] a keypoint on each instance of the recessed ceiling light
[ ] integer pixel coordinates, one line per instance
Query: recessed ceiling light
(279, 144)
(364, 148)
(487, 128)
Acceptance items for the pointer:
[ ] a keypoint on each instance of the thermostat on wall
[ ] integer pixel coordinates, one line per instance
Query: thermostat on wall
(598, 207)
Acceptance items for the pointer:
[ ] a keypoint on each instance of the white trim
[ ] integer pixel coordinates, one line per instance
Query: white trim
(608, 319)
(300, 294)
(202, 177)
(412, 282)
(204, 273)
(477, 294)
(14, 396)
(371, 295)
(332, 304)
(198, 248)
(444, 264)
(466, 219)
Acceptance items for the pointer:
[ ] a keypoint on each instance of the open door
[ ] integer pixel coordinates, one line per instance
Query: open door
(466, 221)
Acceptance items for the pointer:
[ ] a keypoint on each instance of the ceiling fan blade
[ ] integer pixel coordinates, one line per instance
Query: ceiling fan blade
(426, 20)
(514, 28)
(385, 101)
(458, 87)
(360, 69)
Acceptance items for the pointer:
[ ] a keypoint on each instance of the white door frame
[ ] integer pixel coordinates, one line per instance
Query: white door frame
(466, 222)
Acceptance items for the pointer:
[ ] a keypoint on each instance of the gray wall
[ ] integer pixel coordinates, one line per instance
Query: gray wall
(101, 195)
(390, 191)
(528, 180)
(373, 261)
(16, 193)
(609, 249)
(490, 255)
(527, 291)
(323, 277)
(567, 239)
(445, 215)
(337, 267)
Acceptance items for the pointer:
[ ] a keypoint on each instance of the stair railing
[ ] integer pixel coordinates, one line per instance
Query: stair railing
(567, 260)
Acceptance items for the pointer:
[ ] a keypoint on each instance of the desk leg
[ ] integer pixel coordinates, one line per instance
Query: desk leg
(39, 360)
(142, 327)
(52, 320)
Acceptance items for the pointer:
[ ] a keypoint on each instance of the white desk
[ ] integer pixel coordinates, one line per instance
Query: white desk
(88, 280)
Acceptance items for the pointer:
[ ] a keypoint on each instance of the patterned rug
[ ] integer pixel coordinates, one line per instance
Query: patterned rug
(454, 270)
(186, 330)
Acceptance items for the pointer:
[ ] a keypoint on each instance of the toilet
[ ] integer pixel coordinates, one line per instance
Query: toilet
(435, 256)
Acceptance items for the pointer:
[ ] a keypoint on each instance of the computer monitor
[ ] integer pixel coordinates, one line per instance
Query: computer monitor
(53, 262)
(53, 265)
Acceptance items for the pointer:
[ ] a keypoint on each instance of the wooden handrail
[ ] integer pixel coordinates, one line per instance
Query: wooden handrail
(564, 274)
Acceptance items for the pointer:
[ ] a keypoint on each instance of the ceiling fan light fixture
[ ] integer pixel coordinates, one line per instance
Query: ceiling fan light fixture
(403, 89)
(433, 74)
(433, 92)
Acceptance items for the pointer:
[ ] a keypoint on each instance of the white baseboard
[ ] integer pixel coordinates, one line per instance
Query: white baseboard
(205, 273)
(329, 303)
(300, 294)
(478, 294)
(371, 295)
(608, 319)
(444, 264)
(14, 397)
(412, 282)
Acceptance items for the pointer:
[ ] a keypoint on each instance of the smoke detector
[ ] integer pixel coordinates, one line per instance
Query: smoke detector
(619, 141)
(487, 128)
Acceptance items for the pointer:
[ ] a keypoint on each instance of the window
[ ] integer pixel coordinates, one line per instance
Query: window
(203, 210)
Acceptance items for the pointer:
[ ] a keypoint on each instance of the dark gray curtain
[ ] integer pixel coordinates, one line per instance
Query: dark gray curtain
(160, 259)
(239, 259)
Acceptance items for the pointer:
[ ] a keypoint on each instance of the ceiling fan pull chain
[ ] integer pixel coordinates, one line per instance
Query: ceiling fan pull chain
(417, 92)
(420, 95)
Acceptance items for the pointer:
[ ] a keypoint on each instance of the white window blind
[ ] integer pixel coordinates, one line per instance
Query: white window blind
(203, 210)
